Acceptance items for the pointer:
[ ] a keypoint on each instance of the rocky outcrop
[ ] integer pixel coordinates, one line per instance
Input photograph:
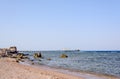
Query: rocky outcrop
(13, 53)
(8, 51)
(63, 56)
(3, 52)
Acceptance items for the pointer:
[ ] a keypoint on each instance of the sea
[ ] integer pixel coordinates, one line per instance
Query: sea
(100, 62)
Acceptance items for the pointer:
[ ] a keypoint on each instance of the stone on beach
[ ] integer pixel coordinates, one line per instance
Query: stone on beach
(13, 49)
(3, 52)
(21, 57)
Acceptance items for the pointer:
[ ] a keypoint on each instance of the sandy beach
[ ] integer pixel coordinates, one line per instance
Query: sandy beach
(10, 69)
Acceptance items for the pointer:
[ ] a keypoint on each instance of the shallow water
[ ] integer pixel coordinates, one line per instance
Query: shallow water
(101, 62)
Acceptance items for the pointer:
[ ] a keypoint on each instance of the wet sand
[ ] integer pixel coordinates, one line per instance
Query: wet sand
(10, 69)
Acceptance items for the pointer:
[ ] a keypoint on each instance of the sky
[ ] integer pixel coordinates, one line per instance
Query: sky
(59, 24)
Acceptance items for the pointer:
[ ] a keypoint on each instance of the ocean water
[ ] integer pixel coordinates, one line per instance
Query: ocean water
(101, 62)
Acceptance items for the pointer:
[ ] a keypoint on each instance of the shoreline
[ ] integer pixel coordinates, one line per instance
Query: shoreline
(9, 68)
(79, 73)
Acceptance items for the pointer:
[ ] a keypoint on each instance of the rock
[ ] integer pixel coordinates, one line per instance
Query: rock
(3, 52)
(49, 59)
(26, 54)
(63, 56)
(20, 55)
(14, 56)
(32, 63)
(17, 61)
(37, 55)
(25, 57)
(31, 60)
(8, 52)
(13, 49)
(22, 60)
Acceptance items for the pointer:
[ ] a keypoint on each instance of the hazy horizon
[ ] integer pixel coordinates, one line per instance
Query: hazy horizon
(58, 24)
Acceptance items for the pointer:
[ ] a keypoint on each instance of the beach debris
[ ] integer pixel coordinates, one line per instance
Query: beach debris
(37, 55)
(63, 56)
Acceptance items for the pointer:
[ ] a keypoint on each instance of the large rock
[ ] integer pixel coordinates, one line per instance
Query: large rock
(63, 56)
(3, 52)
(37, 55)
(13, 49)
(8, 51)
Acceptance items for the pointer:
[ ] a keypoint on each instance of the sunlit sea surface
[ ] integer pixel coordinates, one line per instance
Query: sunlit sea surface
(101, 62)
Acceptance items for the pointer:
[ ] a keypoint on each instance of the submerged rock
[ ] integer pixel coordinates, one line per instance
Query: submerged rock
(49, 59)
(63, 56)
(37, 55)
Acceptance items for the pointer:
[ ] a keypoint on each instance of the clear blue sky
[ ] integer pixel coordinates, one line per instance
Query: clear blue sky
(57, 24)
